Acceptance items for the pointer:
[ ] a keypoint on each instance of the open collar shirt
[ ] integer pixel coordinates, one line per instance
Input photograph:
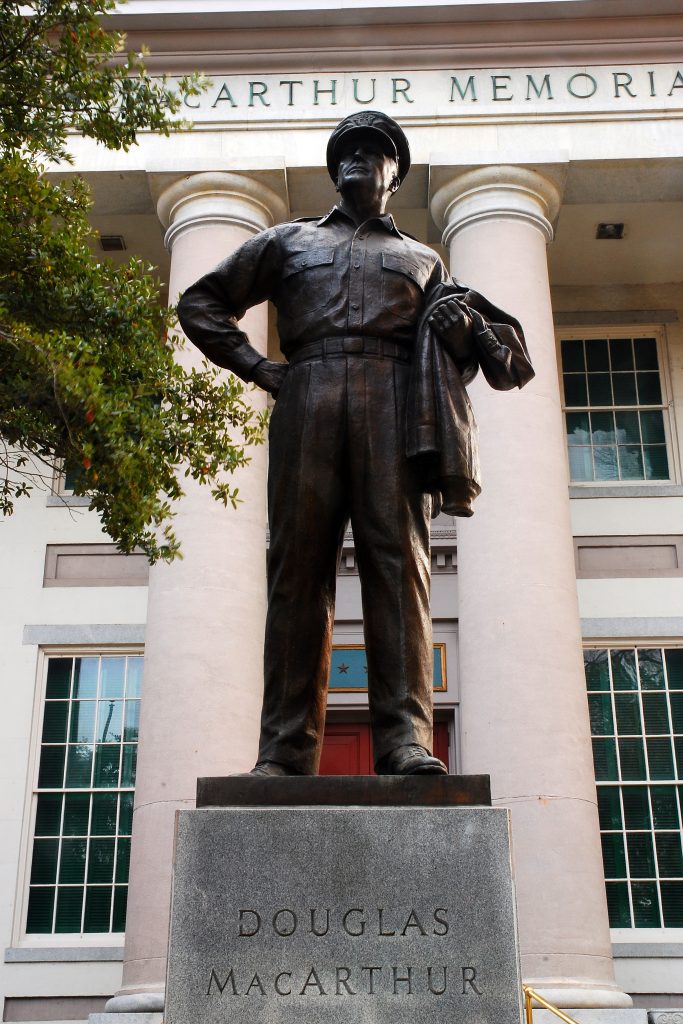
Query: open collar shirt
(327, 278)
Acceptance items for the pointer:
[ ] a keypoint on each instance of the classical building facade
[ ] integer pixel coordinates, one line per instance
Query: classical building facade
(547, 147)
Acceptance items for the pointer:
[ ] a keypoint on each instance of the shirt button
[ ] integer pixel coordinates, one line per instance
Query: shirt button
(356, 265)
(354, 305)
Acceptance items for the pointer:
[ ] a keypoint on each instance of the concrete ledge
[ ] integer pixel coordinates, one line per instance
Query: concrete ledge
(601, 1016)
(125, 1018)
(633, 627)
(647, 950)
(63, 954)
(345, 791)
(626, 491)
(84, 633)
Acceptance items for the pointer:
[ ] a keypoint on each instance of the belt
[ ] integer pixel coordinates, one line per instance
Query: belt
(350, 346)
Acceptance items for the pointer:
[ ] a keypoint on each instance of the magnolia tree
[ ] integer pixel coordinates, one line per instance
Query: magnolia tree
(87, 368)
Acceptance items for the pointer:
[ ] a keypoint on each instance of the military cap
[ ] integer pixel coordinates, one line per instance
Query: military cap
(374, 121)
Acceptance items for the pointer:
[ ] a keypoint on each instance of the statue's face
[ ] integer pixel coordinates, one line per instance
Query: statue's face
(363, 159)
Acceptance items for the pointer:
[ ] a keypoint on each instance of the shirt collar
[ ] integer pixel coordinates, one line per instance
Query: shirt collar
(387, 221)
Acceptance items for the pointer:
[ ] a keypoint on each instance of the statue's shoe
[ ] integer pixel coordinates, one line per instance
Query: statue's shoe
(410, 759)
(267, 769)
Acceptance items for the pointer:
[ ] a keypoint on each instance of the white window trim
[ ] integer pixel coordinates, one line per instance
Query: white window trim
(643, 936)
(659, 332)
(20, 939)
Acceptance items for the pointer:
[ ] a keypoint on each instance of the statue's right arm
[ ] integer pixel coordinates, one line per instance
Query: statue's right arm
(210, 309)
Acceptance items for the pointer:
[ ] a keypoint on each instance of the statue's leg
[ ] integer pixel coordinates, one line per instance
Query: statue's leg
(307, 493)
(390, 518)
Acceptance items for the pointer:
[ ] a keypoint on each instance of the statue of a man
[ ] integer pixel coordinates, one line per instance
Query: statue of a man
(371, 426)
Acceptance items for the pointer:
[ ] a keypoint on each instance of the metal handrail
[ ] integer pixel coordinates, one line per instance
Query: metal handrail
(531, 996)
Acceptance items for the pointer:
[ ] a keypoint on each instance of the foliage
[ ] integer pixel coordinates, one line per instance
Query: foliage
(87, 368)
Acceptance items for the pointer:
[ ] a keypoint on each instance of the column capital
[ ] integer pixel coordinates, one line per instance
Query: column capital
(218, 197)
(499, 192)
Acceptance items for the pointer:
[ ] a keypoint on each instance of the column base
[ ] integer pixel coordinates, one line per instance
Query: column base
(131, 1018)
(134, 1003)
(581, 996)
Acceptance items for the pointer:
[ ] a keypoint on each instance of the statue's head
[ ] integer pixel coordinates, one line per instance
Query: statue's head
(371, 126)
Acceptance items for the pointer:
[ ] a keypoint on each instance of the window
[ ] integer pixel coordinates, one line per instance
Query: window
(635, 695)
(615, 409)
(83, 797)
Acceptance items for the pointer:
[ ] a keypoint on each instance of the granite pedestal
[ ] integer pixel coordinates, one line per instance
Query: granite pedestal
(324, 900)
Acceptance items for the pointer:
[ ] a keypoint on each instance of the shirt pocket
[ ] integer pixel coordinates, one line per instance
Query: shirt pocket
(402, 286)
(306, 278)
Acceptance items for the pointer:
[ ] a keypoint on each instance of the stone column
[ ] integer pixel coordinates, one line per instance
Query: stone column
(206, 613)
(524, 708)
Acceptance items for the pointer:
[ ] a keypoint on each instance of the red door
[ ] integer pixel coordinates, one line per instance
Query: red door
(347, 748)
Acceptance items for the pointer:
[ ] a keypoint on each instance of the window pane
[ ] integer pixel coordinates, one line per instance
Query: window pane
(44, 863)
(636, 807)
(632, 757)
(581, 463)
(97, 908)
(660, 758)
(109, 719)
(613, 855)
(631, 462)
(617, 904)
(79, 766)
(649, 390)
(664, 807)
(646, 353)
(41, 904)
(628, 428)
(597, 354)
(69, 909)
(82, 728)
(609, 807)
(597, 669)
(605, 459)
(54, 721)
(656, 462)
(651, 669)
(602, 428)
(674, 668)
(621, 354)
(656, 713)
(578, 428)
(122, 860)
(120, 901)
(107, 765)
(575, 392)
(51, 772)
(624, 385)
(627, 707)
(652, 425)
(669, 854)
(134, 680)
(48, 814)
(132, 720)
(101, 860)
(599, 389)
(76, 811)
(672, 904)
(600, 707)
(103, 814)
(678, 746)
(85, 677)
(130, 760)
(677, 711)
(72, 863)
(645, 905)
(126, 814)
(58, 678)
(572, 355)
(624, 670)
(113, 674)
(605, 759)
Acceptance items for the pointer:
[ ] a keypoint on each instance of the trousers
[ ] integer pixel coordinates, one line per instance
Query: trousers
(337, 455)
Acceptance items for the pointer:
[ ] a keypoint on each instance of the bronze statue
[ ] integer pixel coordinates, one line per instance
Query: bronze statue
(371, 425)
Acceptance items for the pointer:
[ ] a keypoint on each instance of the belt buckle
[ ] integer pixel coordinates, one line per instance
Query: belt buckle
(352, 345)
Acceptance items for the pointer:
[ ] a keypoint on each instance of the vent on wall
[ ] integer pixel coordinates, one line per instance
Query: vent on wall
(112, 243)
(615, 231)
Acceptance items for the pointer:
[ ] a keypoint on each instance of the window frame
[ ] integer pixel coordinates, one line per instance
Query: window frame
(617, 331)
(641, 936)
(20, 938)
